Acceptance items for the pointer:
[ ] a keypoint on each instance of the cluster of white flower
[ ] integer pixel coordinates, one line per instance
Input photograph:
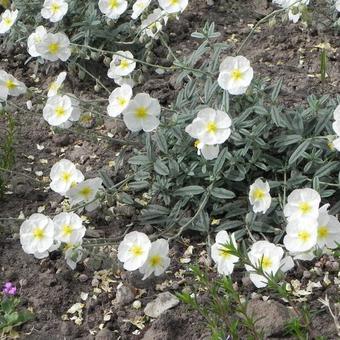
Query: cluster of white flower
(136, 251)
(40, 235)
(293, 6)
(309, 227)
(7, 20)
(68, 181)
(10, 86)
(263, 254)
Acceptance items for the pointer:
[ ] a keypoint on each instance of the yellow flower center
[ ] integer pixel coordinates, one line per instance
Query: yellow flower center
(53, 48)
(223, 252)
(55, 8)
(305, 208)
(211, 127)
(10, 84)
(258, 194)
(304, 236)
(121, 101)
(86, 192)
(54, 86)
(8, 21)
(60, 111)
(65, 176)
(124, 64)
(323, 231)
(141, 112)
(236, 74)
(136, 250)
(38, 233)
(174, 2)
(266, 263)
(155, 260)
(67, 230)
(197, 143)
(113, 4)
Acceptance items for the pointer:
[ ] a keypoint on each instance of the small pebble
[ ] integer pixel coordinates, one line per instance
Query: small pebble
(137, 304)
(83, 278)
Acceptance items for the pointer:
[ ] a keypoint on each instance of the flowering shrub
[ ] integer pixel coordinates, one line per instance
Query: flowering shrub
(227, 136)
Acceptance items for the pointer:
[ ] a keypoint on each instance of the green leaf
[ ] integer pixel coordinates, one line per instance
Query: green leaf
(139, 160)
(161, 141)
(218, 165)
(161, 168)
(190, 190)
(276, 90)
(222, 193)
(299, 151)
(327, 169)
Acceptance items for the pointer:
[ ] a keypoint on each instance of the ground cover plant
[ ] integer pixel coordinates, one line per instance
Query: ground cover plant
(224, 171)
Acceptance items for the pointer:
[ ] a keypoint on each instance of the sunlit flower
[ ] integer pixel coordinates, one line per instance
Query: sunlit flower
(73, 254)
(173, 6)
(58, 110)
(10, 86)
(336, 143)
(86, 192)
(158, 260)
(119, 100)
(112, 8)
(35, 38)
(133, 251)
(293, 7)
(37, 234)
(209, 152)
(259, 196)
(142, 113)
(121, 65)
(235, 75)
(304, 255)
(54, 10)
(268, 257)
(120, 81)
(68, 228)
(328, 229)
(54, 46)
(210, 127)
(7, 20)
(302, 203)
(337, 5)
(63, 175)
(223, 258)
(55, 85)
(301, 234)
(138, 8)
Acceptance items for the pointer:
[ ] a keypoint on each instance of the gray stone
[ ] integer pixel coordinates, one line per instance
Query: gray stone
(162, 303)
(271, 316)
(124, 295)
(105, 334)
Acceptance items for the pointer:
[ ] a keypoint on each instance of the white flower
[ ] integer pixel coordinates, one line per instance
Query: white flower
(294, 13)
(55, 85)
(158, 260)
(133, 251)
(152, 24)
(73, 254)
(124, 81)
(7, 20)
(121, 65)
(328, 229)
(58, 110)
(210, 127)
(63, 175)
(54, 46)
(68, 228)
(222, 257)
(336, 123)
(302, 203)
(75, 115)
(119, 100)
(173, 6)
(142, 113)
(37, 234)
(54, 10)
(209, 152)
(235, 75)
(259, 196)
(54, 246)
(336, 143)
(112, 8)
(138, 8)
(267, 256)
(36, 38)
(304, 256)
(10, 86)
(301, 235)
(86, 192)
(337, 5)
